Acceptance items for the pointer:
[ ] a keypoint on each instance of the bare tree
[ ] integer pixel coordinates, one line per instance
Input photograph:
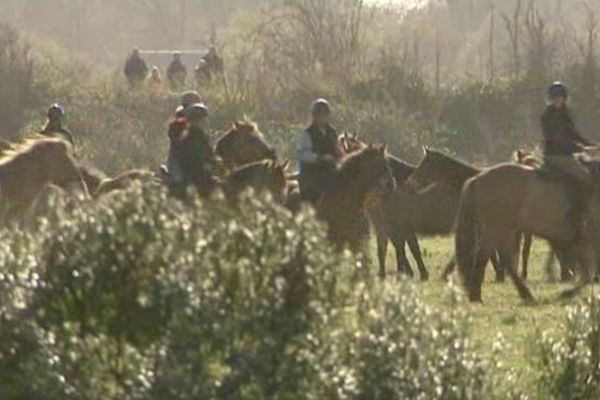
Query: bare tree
(513, 26)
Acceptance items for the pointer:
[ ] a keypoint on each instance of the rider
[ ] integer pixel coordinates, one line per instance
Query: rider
(136, 69)
(176, 129)
(177, 71)
(193, 150)
(318, 152)
(561, 142)
(55, 124)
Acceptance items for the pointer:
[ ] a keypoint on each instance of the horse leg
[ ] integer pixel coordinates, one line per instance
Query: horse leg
(450, 267)
(401, 259)
(498, 268)
(526, 253)
(415, 249)
(587, 263)
(509, 260)
(382, 246)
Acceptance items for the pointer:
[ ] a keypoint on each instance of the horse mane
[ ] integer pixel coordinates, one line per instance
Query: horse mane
(351, 164)
(455, 162)
(29, 146)
(245, 171)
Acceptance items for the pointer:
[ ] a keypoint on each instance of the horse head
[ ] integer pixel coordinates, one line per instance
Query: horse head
(243, 144)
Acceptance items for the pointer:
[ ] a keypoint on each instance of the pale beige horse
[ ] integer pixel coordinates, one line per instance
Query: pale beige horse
(503, 201)
(27, 169)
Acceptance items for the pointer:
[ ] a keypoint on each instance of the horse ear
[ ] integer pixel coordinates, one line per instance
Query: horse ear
(425, 150)
(284, 165)
(237, 124)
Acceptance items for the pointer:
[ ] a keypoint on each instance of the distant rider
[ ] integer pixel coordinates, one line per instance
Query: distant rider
(54, 126)
(177, 72)
(318, 152)
(136, 69)
(561, 142)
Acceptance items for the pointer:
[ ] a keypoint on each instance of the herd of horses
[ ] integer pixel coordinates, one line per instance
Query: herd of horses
(489, 210)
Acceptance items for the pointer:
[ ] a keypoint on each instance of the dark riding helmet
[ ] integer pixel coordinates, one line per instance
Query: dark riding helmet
(320, 106)
(190, 97)
(196, 112)
(55, 111)
(557, 89)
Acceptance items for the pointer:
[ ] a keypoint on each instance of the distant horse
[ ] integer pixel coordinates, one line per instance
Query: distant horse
(500, 203)
(401, 170)
(430, 203)
(262, 176)
(123, 181)
(343, 204)
(26, 170)
(243, 144)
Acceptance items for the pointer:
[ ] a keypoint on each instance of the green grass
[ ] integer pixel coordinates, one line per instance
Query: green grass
(503, 313)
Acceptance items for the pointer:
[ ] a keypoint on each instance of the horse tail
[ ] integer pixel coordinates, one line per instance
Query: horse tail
(468, 227)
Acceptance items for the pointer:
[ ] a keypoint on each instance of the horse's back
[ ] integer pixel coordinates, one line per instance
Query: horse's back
(516, 197)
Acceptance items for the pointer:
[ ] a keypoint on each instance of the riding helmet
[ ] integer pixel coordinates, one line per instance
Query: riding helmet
(196, 111)
(558, 89)
(56, 111)
(190, 97)
(320, 106)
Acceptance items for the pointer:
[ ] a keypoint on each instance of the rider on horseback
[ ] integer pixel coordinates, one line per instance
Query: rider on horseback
(561, 142)
(55, 124)
(193, 151)
(176, 128)
(318, 153)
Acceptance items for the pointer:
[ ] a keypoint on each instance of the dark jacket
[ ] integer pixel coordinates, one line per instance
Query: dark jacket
(54, 130)
(194, 154)
(560, 135)
(325, 143)
(177, 71)
(136, 69)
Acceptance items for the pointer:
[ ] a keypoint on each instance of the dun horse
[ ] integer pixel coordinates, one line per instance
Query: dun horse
(243, 144)
(400, 171)
(26, 170)
(343, 205)
(500, 203)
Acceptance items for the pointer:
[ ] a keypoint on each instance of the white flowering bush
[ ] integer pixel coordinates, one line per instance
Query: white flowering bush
(140, 296)
(569, 366)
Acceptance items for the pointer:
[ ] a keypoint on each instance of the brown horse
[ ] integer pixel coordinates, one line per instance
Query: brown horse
(92, 176)
(430, 202)
(262, 176)
(401, 170)
(343, 204)
(26, 170)
(500, 203)
(243, 144)
(565, 260)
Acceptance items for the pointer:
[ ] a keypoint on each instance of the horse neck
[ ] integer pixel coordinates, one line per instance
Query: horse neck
(400, 169)
(458, 172)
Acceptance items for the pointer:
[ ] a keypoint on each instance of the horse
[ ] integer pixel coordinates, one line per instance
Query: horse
(527, 158)
(505, 200)
(267, 175)
(401, 170)
(343, 204)
(430, 201)
(26, 170)
(243, 144)
(124, 181)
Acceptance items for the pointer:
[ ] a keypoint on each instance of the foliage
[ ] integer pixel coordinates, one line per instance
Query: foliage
(569, 366)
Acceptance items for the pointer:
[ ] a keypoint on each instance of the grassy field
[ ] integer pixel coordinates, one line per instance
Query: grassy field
(503, 313)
